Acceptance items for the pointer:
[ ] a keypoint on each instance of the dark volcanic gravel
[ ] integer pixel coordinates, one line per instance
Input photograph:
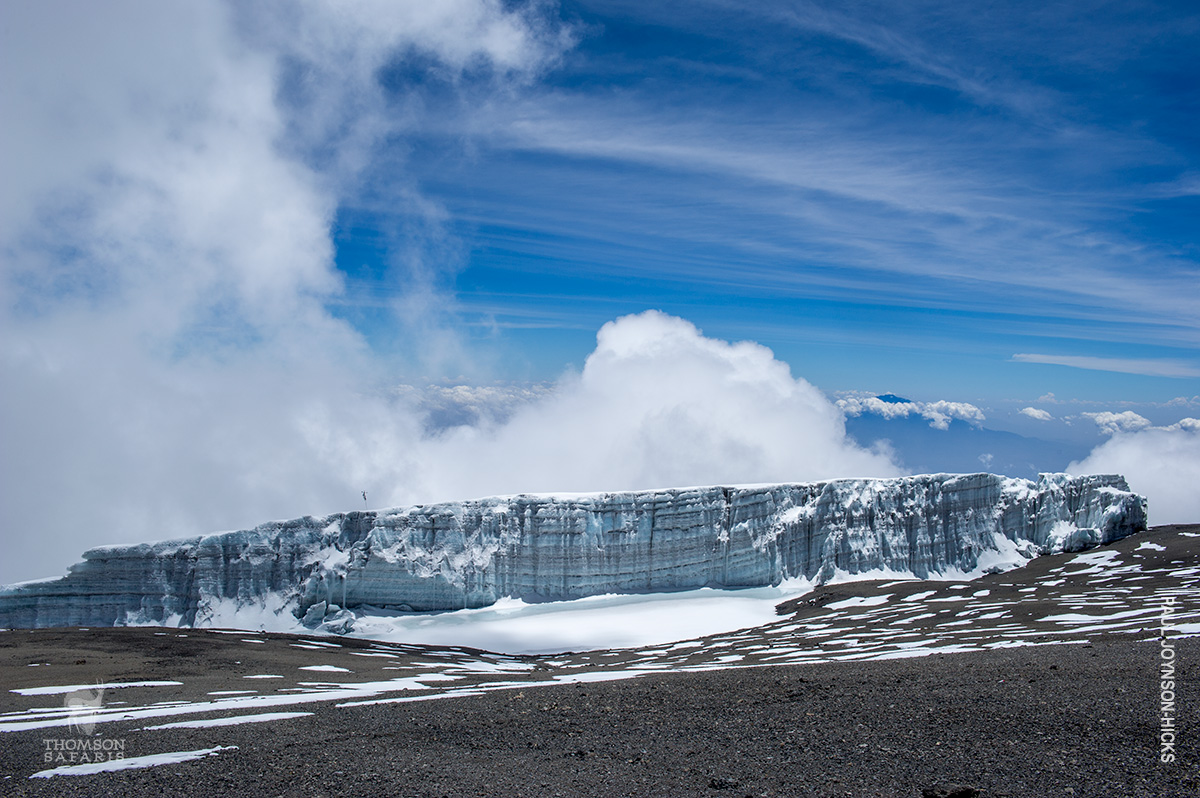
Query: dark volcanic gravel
(1075, 719)
(1055, 720)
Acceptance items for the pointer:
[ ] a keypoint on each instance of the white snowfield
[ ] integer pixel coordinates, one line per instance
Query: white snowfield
(360, 572)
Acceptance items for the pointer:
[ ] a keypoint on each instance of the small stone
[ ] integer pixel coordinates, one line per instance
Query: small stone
(950, 791)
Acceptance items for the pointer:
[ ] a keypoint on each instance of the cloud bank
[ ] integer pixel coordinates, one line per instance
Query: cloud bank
(1162, 463)
(168, 361)
(153, 452)
(1125, 421)
(658, 405)
(939, 413)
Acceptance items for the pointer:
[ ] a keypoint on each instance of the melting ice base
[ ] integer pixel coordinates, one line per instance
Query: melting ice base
(599, 622)
(512, 626)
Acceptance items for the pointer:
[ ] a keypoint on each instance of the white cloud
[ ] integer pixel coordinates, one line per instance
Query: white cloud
(128, 449)
(1126, 421)
(1036, 414)
(358, 35)
(939, 413)
(446, 406)
(168, 365)
(1161, 463)
(150, 152)
(658, 404)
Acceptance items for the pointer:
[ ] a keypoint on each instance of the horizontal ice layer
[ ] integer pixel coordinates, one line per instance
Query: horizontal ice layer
(543, 548)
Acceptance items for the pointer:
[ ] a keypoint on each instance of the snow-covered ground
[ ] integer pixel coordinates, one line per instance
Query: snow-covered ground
(587, 624)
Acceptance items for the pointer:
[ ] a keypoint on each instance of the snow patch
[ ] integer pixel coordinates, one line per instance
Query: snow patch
(132, 763)
(263, 717)
(74, 688)
(859, 601)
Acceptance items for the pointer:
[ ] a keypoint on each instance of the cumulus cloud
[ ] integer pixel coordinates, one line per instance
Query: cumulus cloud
(151, 452)
(658, 404)
(1111, 423)
(939, 413)
(1161, 463)
(1036, 414)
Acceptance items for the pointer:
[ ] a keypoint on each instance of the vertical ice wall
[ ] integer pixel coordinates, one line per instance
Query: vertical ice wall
(469, 554)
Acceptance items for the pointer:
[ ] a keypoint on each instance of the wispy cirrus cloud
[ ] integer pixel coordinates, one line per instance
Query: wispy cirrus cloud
(840, 195)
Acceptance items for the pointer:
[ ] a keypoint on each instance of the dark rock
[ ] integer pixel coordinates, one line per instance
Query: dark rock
(955, 791)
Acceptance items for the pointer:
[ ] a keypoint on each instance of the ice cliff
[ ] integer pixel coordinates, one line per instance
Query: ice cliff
(539, 548)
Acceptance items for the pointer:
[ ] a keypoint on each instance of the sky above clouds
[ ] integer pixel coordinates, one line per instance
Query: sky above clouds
(255, 259)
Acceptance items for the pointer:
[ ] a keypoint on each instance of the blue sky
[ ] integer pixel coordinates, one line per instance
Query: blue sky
(258, 258)
(892, 197)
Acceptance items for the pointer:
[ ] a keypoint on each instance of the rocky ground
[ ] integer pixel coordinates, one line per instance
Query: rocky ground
(1037, 682)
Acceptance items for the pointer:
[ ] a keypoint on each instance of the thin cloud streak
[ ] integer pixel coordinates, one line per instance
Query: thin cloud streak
(1147, 368)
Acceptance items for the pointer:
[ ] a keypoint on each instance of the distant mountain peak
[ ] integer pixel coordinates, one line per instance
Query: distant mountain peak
(892, 399)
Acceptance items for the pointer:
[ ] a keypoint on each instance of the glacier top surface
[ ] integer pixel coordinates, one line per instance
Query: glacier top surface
(553, 497)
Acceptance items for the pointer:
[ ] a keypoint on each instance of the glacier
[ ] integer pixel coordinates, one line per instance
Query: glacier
(326, 572)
